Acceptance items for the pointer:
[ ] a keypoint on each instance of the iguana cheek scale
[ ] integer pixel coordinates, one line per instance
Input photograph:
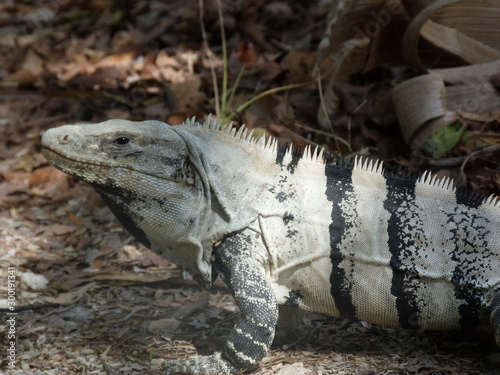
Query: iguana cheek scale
(350, 239)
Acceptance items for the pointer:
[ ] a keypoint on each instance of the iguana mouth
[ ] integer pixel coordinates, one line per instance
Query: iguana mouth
(59, 156)
(70, 165)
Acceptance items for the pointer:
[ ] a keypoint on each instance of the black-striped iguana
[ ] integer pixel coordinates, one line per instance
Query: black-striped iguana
(350, 239)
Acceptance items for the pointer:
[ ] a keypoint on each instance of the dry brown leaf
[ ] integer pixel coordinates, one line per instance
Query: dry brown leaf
(119, 60)
(50, 231)
(46, 175)
(247, 54)
(294, 369)
(16, 177)
(30, 70)
(418, 102)
(164, 326)
(188, 95)
(467, 29)
(364, 23)
(71, 297)
(424, 104)
(176, 119)
(127, 278)
(300, 64)
(164, 60)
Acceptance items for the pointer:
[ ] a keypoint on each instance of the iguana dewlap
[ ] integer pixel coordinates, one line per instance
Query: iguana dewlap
(345, 239)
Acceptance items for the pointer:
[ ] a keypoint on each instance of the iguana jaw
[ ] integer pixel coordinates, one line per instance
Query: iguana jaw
(78, 168)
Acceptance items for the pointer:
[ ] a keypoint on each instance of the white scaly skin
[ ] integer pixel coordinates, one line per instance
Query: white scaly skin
(347, 240)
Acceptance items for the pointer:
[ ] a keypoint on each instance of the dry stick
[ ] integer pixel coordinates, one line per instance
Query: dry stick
(323, 105)
(263, 94)
(224, 60)
(220, 107)
(483, 152)
(336, 138)
(349, 123)
(455, 161)
(210, 60)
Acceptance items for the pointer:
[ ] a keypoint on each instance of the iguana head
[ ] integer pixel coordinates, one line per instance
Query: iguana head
(148, 177)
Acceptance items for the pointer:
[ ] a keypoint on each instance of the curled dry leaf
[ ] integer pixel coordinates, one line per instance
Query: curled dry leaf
(467, 29)
(421, 108)
(430, 113)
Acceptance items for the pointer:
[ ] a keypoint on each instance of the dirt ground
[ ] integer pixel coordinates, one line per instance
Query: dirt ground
(86, 297)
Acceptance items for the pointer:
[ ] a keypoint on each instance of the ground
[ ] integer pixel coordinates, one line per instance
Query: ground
(86, 297)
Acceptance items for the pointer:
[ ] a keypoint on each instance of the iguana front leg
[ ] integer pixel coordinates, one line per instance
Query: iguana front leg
(253, 333)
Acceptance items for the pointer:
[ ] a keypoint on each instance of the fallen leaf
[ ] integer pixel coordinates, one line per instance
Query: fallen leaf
(127, 278)
(45, 175)
(70, 297)
(33, 281)
(247, 54)
(55, 230)
(294, 369)
(164, 326)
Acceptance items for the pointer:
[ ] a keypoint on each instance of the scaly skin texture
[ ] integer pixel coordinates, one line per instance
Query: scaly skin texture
(345, 239)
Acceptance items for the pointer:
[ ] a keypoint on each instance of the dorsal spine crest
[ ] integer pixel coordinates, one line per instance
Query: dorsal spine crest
(319, 155)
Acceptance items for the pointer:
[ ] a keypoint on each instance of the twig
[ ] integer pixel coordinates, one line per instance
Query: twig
(336, 138)
(224, 61)
(209, 54)
(480, 153)
(38, 306)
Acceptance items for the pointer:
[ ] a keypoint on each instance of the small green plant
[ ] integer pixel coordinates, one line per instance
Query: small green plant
(226, 97)
(151, 353)
(225, 100)
(443, 141)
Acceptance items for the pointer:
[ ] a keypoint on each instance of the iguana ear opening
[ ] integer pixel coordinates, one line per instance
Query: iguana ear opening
(218, 205)
(198, 162)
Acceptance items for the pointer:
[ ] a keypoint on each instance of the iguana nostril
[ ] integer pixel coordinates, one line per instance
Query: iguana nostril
(65, 139)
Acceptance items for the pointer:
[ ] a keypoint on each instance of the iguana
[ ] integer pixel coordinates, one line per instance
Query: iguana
(351, 239)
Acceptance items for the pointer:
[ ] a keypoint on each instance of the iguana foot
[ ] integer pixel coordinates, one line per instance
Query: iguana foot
(200, 365)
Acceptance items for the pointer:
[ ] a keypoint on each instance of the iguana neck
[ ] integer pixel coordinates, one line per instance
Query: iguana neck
(235, 169)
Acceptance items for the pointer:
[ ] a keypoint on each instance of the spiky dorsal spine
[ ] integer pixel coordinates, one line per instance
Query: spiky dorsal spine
(318, 154)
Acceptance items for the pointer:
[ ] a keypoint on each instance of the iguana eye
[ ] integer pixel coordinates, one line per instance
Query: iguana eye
(121, 141)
